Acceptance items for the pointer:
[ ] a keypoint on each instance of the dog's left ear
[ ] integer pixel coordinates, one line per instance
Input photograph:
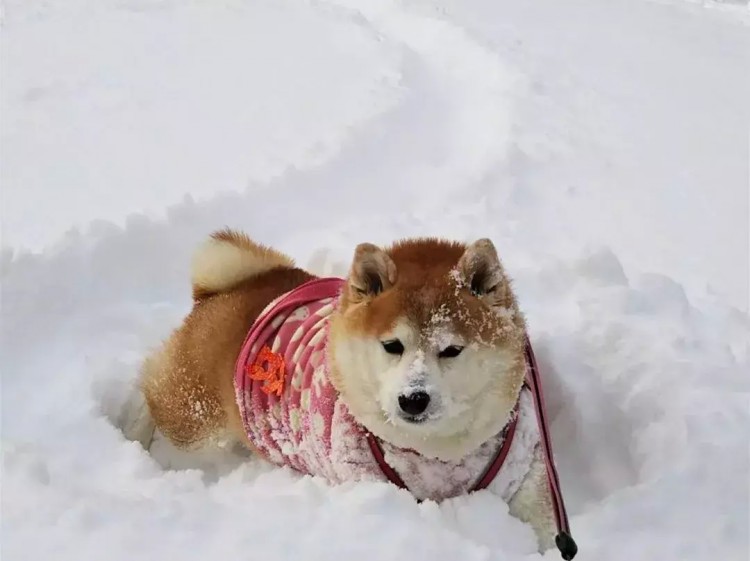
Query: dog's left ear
(481, 271)
(372, 272)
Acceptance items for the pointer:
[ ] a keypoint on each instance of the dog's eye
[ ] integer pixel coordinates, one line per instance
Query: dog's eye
(450, 352)
(393, 347)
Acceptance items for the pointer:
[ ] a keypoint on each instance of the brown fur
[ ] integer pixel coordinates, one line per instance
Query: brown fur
(188, 384)
(423, 283)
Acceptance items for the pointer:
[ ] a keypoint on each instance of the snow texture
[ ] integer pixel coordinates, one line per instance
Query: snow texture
(602, 146)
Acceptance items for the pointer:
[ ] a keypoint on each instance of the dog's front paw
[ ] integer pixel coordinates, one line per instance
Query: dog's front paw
(533, 504)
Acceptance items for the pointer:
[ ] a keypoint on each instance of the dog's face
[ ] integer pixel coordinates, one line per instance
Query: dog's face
(427, 345)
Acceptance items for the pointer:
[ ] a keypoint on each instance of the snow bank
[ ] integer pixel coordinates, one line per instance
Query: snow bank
(539, 125)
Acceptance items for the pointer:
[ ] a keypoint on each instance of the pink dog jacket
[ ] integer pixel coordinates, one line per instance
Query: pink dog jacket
(294, 416)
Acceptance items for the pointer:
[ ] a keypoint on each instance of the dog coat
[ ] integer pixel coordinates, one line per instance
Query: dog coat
(294, 416)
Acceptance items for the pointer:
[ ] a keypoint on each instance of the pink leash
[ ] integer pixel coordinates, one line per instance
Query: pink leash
(564, 541)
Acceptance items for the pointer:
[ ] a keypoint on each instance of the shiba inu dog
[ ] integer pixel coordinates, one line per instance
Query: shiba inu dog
(411, 370)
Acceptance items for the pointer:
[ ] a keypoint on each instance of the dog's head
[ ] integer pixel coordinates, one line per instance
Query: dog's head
(427, 344)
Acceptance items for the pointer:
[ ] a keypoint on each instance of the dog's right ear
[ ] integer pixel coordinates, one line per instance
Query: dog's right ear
(372, 272)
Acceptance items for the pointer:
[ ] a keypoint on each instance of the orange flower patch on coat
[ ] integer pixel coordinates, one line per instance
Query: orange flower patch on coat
(269, 368)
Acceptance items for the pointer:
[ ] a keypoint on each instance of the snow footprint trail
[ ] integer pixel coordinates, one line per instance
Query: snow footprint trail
(473, 83)
(432, 111)
(454, 121)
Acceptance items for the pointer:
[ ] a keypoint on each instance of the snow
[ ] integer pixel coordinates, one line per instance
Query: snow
(603, 147)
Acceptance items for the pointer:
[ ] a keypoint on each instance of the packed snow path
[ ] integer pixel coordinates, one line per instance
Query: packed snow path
(604, 148)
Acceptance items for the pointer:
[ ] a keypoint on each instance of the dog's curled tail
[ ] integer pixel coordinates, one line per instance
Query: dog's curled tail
(229, 257)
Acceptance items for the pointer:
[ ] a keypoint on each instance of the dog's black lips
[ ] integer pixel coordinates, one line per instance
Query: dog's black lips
(413, 419)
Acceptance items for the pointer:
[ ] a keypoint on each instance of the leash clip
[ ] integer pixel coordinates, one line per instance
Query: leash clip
(567, 545)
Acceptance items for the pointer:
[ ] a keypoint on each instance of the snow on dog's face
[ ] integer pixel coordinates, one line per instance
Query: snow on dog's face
(427, 345)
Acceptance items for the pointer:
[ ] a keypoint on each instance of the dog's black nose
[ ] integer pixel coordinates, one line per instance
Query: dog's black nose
(415, 403)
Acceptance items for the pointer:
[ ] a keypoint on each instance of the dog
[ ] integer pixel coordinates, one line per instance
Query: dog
(410, 370)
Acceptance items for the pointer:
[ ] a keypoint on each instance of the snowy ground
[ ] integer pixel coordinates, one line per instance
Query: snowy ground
(604, 146)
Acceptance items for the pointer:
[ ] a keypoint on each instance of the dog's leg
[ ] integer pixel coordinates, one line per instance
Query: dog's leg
(182, 398)
(136, 421)
(532, 503)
